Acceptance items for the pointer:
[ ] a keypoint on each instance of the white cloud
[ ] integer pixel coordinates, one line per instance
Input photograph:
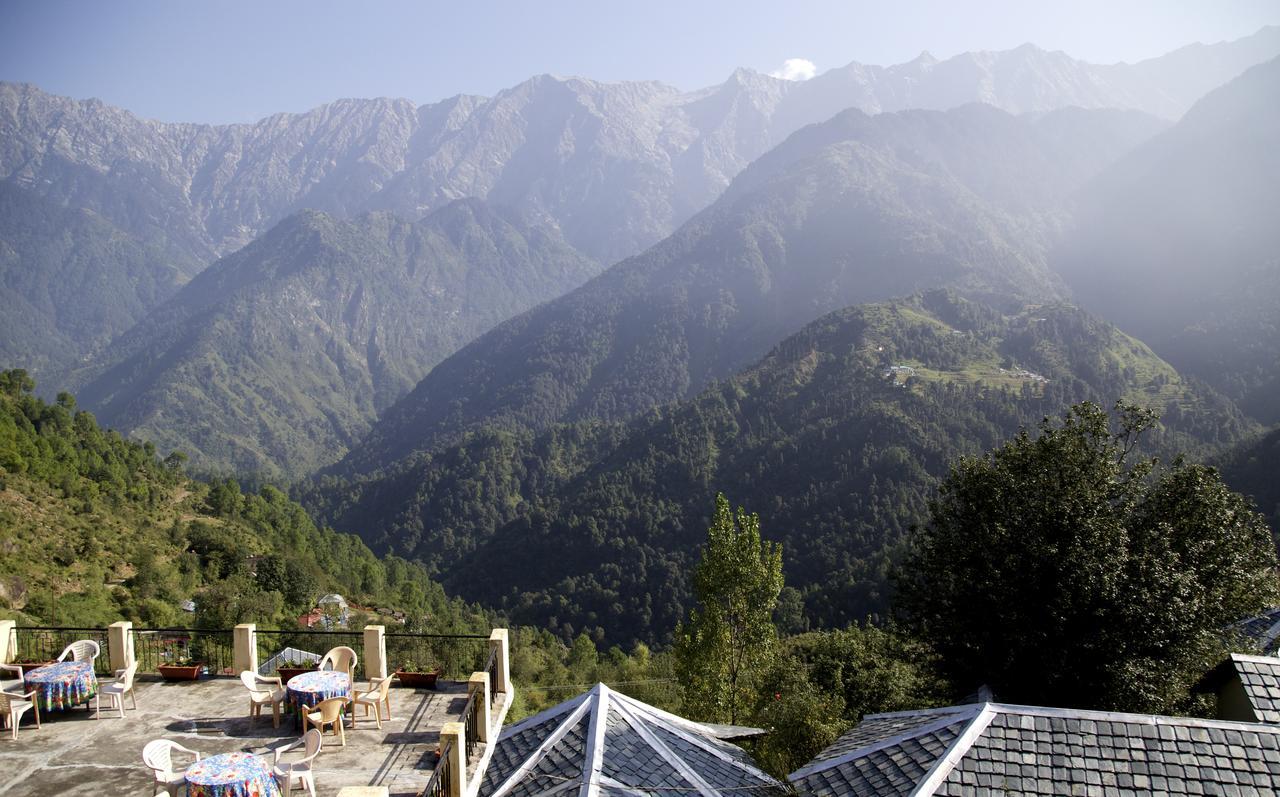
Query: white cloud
(795, 69)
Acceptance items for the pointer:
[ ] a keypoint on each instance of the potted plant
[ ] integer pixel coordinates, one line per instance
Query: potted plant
(292, 669)
(409, 673)
(181, 668)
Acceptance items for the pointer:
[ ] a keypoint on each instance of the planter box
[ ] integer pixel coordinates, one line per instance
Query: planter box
(180, 672)
(289, 673)
(419, 679)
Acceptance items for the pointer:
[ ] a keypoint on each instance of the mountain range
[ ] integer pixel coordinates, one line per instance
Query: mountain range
(615, 167)
(860, 208)
(275, 359)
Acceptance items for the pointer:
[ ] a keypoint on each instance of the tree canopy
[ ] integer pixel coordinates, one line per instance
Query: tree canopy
(1060, 570)
(723, 650)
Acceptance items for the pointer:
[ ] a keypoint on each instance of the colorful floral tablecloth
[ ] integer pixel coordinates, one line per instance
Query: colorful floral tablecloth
(62, 685)
(231, 775)
(310, 688)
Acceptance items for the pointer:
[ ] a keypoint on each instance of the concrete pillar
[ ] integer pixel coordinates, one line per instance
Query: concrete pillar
(244, 655)
(8, 641)
(120, 644)
(375, 651)
(453, 737)
(498, 639)
(478, 685)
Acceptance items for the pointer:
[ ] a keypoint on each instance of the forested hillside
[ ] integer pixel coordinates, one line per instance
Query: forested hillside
(70, 282)
(95, 528)
(274, 360)
(1253, 468)
(1177, 243)
(860, 208)
(836, 438)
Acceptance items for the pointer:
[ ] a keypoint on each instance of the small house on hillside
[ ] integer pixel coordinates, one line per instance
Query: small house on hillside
(333, 609)
(603, 742)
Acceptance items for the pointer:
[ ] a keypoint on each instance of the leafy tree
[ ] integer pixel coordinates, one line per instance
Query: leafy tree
(724, 649)
(1059, 571)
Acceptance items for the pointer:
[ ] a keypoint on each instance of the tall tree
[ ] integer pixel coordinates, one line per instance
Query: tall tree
(1061, 570)
(724, 650)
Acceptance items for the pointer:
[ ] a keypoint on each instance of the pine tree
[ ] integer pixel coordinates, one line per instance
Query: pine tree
(729, 642)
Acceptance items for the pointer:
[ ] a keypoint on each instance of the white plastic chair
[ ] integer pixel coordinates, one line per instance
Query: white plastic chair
(158, 755)
(11, 685)
(116, 690)
(13, 706)
(327, 712)
(300, 770)
(340, 658)
(375, 697)
(80, 650)
(259, 695)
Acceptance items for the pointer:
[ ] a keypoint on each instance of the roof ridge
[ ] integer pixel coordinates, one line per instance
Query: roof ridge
(951, 718)
(674, 719)
(593, 760)
(541, 751)
(545, 714)
(954, 709)
(1145, 719)
(1268, 660)
(948, 760)
(668, 755)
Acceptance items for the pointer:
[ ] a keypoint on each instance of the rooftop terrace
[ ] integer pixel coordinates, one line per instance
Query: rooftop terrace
(74, 754)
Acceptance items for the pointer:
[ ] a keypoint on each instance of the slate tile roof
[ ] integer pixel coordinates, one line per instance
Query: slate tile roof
(1003, 749)
(1262, 630)
(878, 727)
(620, 746)
(1260, 677)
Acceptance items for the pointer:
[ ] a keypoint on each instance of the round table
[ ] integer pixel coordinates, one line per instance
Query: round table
(231, 775)
(309, 688)
(63, 684)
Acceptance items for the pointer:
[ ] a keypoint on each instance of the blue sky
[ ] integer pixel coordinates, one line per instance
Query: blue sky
(239, 61)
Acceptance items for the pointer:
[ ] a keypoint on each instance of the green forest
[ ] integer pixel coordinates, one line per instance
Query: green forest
(839, 436)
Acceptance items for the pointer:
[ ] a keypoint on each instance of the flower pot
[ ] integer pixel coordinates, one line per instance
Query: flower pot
(180, 672)
(416, 680)
(287, 673)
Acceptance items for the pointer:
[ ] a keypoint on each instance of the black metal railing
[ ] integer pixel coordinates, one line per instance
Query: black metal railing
(471, 724)
(438, 786)
(456, 655)
(214, 649)
(38, 644)
(491, 667)
(298, 646)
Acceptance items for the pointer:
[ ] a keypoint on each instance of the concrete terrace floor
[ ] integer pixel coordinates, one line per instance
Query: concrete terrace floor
(73, 754)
